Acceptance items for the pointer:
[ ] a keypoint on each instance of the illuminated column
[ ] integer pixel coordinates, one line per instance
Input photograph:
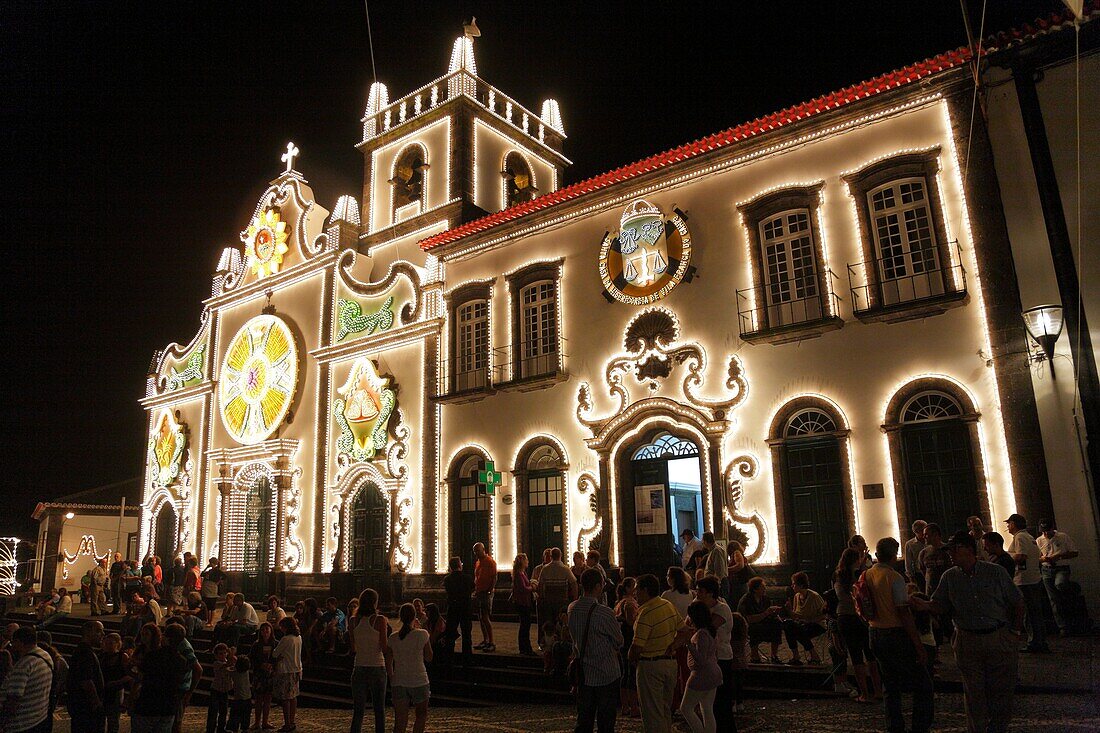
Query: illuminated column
(717, 490)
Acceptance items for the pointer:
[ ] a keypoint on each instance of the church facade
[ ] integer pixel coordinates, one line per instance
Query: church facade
(787, 333)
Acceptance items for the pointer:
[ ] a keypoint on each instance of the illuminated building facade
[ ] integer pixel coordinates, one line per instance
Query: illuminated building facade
(772, 333)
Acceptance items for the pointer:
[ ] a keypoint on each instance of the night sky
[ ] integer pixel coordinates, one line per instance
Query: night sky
(137, 138)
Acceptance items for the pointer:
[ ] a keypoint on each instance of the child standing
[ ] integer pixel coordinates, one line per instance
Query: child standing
(219, 689)
(240, 696)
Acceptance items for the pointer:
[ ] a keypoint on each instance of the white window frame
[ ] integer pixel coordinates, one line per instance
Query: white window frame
(792, 294)
(470, 367)
(907, 270)
(538, 328)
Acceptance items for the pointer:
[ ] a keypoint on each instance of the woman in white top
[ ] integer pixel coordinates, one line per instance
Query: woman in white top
(275, 613)
(679, 595)
(288, 672)
(368, 676)
(411, 649)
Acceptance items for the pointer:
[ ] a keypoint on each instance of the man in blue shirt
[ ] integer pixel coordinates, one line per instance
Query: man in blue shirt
(598, 641)
(988, 612)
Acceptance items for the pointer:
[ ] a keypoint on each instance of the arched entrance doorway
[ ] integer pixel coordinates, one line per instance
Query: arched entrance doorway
(258, 525)
(166, 534)
(368, 537)
(470, 508)
(813, 475)
(663, 497)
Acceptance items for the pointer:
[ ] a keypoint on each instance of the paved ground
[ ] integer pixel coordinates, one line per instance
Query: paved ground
(1063, 713)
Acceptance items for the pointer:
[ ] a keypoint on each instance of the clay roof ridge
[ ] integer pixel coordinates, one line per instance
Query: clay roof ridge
(832, 100)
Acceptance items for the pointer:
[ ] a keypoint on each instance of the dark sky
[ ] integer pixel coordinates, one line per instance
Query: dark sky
(138, 136)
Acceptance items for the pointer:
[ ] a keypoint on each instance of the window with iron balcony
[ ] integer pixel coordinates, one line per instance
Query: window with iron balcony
(792, 295)
(910, 268)
(536, 356)
(464, 373)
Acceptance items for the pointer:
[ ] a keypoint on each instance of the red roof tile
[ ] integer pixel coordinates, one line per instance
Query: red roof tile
(761, 125)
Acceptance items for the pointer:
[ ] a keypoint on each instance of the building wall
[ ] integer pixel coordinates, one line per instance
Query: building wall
(858, 367)
(82, 538)
(1074, 501)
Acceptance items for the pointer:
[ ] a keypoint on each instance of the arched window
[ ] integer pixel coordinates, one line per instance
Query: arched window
(809, 423)
(930, 406)
(408, 183)
(519, 182)
(368, 540)
(666, 445)
(932, 429)
(816, 512)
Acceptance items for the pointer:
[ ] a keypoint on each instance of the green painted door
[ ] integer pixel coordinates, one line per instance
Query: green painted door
(939, 474)
(369, 535)
(815, 485)
(473, 521)
(544, 513)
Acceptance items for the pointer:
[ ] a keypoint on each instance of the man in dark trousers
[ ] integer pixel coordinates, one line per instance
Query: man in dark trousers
(118, 570)
(460, 590)
(86, 700)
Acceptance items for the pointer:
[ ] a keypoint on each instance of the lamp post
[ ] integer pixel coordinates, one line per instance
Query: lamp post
(1044, 325)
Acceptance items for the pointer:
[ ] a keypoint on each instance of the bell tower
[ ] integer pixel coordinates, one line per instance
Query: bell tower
(453, 150)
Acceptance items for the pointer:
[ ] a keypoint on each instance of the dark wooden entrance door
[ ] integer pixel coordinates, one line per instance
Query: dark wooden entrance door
(544, 514)
(655, 551)
(473, 518)
(939, 474)
(815, 485)
(166, 529)
(369, 535)
(257, 539)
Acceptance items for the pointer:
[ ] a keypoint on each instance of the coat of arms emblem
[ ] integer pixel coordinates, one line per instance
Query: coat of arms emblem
(648, 256)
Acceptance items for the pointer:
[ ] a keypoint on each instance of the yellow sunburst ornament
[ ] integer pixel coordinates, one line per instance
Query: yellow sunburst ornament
(258, 379)
(265, 243)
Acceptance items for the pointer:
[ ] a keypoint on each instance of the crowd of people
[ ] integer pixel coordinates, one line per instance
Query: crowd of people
(643, 647)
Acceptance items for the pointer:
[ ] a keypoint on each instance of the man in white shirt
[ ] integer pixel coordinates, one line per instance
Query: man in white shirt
(690, 544)
(1056, 549)
(1028, 579)
(911, 551)
(59, 610)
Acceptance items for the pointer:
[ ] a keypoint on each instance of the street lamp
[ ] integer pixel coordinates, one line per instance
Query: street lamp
(1044, 324)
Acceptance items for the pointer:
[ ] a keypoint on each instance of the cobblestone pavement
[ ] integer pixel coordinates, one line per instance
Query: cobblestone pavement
(1063, 713)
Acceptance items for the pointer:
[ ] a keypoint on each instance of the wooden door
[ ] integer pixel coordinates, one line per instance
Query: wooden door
(815, 486)
(544, 512)
(939, 474)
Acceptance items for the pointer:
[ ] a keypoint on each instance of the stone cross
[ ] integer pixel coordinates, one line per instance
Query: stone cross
(288, 156)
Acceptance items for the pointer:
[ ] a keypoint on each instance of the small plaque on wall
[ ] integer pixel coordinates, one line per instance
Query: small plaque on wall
(505, 520)
(874, 491)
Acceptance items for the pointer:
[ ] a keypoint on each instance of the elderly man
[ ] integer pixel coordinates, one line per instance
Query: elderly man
(988, 612)
(911, 553)
(25, 694)
(1056, 549)
(97, 597)
(117, 573)
(655, 630)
